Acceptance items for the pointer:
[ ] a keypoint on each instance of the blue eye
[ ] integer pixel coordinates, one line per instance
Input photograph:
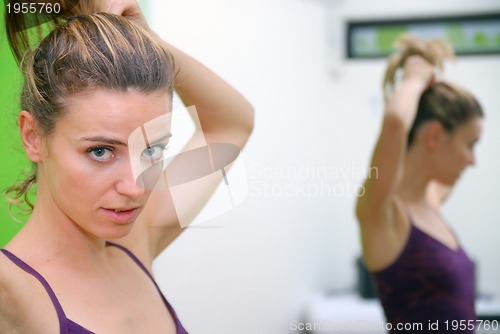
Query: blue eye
(155, 152)
(101, 153)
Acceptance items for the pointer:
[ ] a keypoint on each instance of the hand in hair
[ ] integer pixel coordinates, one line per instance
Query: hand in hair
(433, 52)
(416, 67)
(126, 8)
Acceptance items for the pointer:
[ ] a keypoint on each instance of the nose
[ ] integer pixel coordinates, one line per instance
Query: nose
(472, 159)
(127, 184)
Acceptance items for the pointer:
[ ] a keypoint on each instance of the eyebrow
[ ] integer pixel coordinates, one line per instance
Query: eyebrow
(165, 136)
(109, 141)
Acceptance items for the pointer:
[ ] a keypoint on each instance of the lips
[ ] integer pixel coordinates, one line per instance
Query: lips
(121, 215)
(122, 210)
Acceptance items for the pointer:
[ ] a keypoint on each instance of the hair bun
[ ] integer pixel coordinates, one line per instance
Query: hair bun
(434, 51)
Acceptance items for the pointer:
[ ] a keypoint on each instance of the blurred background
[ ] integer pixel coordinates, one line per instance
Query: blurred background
(287, 254)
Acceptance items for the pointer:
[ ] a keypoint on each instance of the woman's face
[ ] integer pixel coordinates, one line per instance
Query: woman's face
(85, 173)
(456, 151)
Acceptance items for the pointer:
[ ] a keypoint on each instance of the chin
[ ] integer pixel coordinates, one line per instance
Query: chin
(448, 180)
(116, 232)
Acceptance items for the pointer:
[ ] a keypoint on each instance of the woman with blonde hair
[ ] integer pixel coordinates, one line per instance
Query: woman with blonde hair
(83, 261)
(430, 127)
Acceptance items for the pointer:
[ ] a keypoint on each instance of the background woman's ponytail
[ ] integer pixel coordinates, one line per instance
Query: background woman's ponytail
(444, 102)
(435, 52)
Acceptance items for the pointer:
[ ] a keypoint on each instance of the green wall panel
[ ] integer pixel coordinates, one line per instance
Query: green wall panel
(12, 158)
(13, 161)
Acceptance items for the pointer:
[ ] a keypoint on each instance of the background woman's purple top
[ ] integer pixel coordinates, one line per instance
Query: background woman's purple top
(428, 283)
(68, 326)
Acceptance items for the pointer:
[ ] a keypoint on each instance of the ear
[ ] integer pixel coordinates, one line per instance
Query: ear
(29, 134)
(433, 134)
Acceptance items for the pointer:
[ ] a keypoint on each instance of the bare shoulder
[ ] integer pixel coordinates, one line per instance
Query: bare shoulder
(23, 303)
(9, 303)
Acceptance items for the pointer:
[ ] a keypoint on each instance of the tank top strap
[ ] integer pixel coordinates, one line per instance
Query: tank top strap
(133, 257)
(180, 329)
(30, 270)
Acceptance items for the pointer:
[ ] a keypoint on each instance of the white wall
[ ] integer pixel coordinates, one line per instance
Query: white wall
(296, 232)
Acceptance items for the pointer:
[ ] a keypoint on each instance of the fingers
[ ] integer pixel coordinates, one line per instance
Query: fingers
(417, 67)
(415, 60)
(117, 7)
(127, 8)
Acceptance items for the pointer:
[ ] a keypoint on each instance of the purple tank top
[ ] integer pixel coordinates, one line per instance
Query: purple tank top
(428, 283)
(68, 326)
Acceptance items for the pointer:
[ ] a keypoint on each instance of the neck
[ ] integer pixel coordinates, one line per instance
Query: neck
(416, 178)
(55, 237)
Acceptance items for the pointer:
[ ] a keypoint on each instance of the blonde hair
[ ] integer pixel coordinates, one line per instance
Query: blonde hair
(445, 102)
(84, 52)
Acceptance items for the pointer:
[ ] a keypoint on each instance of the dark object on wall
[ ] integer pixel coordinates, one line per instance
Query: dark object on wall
(365, 285)
(472, 34)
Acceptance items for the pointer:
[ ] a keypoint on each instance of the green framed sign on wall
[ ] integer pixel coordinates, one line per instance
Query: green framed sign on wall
(476, 34)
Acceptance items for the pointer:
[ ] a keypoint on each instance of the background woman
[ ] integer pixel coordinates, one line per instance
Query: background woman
(429, 131)
(88, 85)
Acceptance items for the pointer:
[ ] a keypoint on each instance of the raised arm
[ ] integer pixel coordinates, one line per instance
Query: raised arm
(389, 154)
(225, 116)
